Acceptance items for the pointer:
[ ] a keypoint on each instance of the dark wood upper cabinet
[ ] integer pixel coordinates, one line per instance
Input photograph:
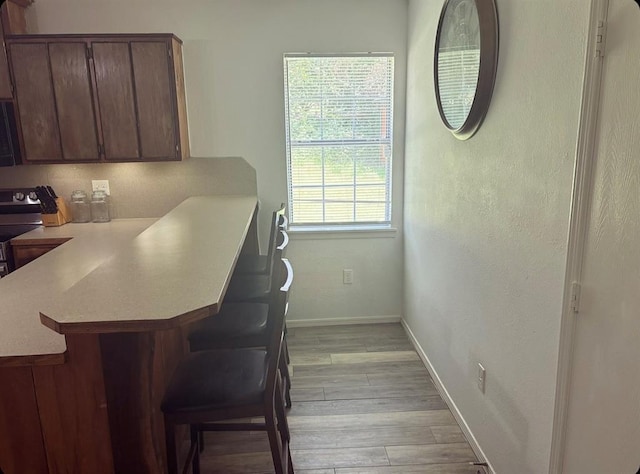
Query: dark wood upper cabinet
(34, 93)
(111, 97)
(156, 102)
(116, 100)
(6, 92)
(74, 103)
(12, 22)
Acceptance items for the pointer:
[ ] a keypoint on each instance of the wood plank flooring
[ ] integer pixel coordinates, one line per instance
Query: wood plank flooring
(363, 403)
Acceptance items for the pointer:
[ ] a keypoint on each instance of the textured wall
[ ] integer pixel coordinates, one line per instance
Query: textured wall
(234, 79)
(486, 225)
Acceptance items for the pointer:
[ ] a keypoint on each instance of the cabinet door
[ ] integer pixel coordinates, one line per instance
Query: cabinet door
(36, 103)
(155, 94)
(114, 87)
(5, 80)
(23, 254)
(72, 87)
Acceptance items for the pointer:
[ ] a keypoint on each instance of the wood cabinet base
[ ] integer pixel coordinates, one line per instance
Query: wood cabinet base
(21, 443)
(99, 412)
(25, 252)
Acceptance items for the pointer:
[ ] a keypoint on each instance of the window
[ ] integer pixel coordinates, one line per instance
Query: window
(339, 123)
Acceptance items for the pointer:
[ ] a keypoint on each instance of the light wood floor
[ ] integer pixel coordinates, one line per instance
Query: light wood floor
(363, 403)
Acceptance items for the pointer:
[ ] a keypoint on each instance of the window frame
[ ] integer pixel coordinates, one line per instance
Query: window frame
(352, 225)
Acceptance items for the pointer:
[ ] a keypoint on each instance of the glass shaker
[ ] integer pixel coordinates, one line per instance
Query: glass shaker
(100, 206)
(80, 207)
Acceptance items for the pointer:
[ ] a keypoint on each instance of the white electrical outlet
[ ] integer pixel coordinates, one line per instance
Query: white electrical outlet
(482, 375)
(347, 276)
(100, 185)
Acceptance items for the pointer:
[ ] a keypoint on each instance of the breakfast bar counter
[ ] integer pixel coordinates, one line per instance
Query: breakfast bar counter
(122, 319)
(23, 339)
(173, 273)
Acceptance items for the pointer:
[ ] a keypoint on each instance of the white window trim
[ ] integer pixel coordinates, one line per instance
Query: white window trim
(328, 232)
(383, 229)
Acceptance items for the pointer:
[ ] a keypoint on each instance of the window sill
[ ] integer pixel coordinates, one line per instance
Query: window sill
(341, 232)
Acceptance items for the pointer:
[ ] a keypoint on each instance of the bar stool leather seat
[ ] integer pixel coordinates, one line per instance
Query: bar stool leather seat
(252, 264)
(236, 325)
(253, 288)
(248, 289)
(217, 379)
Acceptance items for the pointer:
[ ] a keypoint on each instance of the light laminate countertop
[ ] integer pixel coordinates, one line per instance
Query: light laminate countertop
(175, 272)
(126, 275)
(23, 338)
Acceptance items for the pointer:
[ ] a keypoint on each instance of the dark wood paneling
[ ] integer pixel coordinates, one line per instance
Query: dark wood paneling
(73, 410)
(155, 99)
(31, 360)
(137, 367)
(5, 79)
(72, 87)
(114, 86)
(36, 104)
(21, 445)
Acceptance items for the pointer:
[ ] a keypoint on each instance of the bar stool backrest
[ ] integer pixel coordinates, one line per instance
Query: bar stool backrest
(276, 220)
(282, 279)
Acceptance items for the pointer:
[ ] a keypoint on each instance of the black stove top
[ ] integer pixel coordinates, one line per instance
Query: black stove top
(8, 232)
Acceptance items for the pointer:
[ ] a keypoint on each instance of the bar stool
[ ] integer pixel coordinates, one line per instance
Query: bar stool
(210, 387)
(254, 288)
(245, 324)
(261, 264)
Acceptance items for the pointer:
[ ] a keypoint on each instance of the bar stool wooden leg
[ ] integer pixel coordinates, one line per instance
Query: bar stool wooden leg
(195, 441)
(284, 370)
(286, 347)
(170, 441)
(283, 424)
(283, 428)
(290, 462)
(275, 442)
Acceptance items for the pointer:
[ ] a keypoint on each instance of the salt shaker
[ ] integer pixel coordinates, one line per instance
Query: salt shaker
(100, 207)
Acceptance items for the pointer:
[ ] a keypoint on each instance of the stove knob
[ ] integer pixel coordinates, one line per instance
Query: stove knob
(33, 196)
(19, 196)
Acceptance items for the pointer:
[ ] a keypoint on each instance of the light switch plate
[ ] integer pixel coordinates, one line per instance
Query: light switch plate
(347, 276)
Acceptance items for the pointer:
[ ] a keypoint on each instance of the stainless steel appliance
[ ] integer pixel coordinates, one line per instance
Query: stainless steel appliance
(19, 213)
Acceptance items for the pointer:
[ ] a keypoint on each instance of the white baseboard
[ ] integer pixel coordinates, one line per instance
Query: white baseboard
(473, 442)
(300, 323)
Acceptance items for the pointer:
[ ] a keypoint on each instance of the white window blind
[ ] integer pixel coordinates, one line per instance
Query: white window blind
(339, 122)
(457, 81)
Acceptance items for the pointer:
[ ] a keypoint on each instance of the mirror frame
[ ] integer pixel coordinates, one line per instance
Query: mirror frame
(489, 41)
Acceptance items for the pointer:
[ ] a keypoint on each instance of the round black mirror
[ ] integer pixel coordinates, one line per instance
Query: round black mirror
(466, 60)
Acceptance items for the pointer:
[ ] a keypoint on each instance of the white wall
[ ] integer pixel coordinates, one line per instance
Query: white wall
(234, 79)
(486, 224)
